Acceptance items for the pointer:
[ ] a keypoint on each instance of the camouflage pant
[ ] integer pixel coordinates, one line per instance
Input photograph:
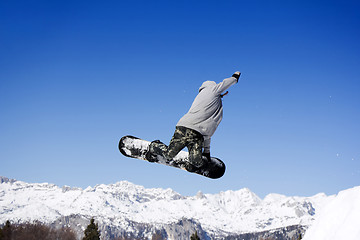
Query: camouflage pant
(183, 137)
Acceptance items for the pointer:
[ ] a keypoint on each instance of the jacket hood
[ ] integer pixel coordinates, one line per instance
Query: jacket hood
(207, 84)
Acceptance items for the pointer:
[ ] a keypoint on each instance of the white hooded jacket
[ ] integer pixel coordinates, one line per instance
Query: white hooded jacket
(206, 112)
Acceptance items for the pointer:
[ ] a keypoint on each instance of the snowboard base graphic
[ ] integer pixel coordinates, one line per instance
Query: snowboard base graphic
(134, 147)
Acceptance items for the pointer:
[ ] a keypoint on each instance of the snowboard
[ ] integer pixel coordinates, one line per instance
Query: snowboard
(134, 147)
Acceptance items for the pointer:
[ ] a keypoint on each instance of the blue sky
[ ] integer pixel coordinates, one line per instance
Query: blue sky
(75, 76)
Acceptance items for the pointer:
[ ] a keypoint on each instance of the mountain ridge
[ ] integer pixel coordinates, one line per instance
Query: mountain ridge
(122, 204)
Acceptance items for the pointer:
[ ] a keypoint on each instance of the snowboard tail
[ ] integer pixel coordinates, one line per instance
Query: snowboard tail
(134, 147)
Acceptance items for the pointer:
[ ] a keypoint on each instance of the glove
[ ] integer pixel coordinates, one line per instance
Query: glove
(207, 155)
(237, 75)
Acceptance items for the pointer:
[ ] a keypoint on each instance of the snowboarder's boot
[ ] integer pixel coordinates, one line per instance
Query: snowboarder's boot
(191, 167)
(156, 148)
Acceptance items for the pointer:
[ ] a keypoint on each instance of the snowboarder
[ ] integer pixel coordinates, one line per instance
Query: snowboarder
(195, 128)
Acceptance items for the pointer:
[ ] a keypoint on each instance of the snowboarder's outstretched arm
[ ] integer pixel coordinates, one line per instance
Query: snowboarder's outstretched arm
(227, 82)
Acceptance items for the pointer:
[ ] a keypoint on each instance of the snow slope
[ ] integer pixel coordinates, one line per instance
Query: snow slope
(116, 204)
(340, 219)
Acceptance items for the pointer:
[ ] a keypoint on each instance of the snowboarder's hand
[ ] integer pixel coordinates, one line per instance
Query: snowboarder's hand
(207, 155)
(237, 75)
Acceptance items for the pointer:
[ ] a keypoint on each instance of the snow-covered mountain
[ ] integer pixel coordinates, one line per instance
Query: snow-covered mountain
(126, 208)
